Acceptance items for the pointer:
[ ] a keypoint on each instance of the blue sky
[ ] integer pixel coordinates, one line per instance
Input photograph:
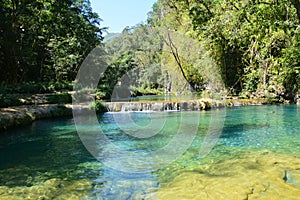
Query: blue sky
(117, 14)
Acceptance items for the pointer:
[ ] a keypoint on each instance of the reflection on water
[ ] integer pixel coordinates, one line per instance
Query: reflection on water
(257, 156)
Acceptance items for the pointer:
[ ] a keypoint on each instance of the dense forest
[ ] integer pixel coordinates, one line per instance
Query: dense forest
(249, 48)
(45, 40)
(252, 45)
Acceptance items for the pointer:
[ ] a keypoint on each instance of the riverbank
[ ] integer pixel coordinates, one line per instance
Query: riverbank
(20, 109)
(26, 114)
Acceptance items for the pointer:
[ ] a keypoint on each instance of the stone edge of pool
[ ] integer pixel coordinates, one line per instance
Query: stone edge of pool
(26, 114)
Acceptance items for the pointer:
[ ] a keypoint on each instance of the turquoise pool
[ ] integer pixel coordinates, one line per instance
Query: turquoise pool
(47, 160)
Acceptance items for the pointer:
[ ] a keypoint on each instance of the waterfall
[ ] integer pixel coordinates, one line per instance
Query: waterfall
(157, 106)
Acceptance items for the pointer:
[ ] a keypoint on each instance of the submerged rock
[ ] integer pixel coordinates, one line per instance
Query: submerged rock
(50, 189)
(257, 175)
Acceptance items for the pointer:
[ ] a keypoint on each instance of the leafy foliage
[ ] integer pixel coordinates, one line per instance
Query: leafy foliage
(135, 59)
(251, 46)
(255, 44)
(45, 40)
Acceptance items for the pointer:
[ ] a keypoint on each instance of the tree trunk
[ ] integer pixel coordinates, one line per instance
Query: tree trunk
(176, 56)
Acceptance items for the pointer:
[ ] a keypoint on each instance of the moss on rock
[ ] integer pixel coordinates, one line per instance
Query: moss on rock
(22, 115)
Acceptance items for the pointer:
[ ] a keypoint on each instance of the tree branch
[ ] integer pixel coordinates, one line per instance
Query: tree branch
(176, 56)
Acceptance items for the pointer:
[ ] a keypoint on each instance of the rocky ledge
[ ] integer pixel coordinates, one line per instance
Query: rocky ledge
(187, 105)
(21, 115)
(190, 105)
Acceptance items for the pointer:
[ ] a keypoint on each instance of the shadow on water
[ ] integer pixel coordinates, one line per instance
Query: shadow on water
(236, 130)
(42, 151)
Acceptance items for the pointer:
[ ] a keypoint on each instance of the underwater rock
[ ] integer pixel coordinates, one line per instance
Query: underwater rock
(256, 175)
(50, 189)
(293, 178)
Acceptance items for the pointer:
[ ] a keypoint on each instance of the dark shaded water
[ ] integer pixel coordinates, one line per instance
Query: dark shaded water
(49, 155)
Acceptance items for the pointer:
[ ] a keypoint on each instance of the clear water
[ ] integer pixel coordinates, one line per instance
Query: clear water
(49, 155)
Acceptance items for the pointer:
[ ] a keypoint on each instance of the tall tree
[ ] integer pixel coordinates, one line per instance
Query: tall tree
(45, 39)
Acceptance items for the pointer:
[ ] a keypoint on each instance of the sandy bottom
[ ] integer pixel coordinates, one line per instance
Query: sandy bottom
(255, 175)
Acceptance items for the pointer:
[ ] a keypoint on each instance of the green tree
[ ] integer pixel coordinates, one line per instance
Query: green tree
(137, 53)
(45, 39)
(251, 42)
